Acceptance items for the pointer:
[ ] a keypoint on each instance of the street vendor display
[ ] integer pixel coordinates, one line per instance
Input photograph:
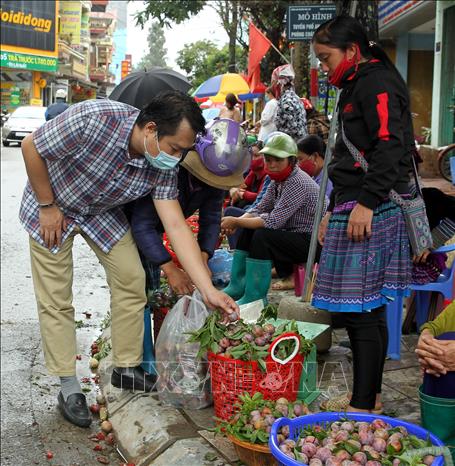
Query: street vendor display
(348, 439)
(251, 357)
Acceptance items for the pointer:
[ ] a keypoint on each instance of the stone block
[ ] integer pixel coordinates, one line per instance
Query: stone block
(143, 426)
(203, 418)
(190, 452)
(294, 308)
(222, 444)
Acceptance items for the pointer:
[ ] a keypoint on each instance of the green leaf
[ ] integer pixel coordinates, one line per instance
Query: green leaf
(214, 347)
(262, 365)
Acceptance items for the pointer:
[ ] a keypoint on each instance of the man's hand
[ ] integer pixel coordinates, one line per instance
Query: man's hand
(215, 299)
(52, 224)
(178, 279)
(323, 228)
(359, 225)
(448, 354)
(228, 225)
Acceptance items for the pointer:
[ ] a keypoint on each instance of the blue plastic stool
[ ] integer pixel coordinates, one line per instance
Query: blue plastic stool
(394, 312)
(148, 363)
(444, 285)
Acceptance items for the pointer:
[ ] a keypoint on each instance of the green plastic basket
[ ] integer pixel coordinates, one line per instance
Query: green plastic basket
(438, 416)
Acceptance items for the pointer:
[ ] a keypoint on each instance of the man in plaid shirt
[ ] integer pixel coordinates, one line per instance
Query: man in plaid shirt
(82, 167)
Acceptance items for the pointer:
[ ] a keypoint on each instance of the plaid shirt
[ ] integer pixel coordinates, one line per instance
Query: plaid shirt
(91, 172)
(291, 204)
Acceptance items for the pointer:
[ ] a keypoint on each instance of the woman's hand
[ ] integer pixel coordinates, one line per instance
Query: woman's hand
(427, 345)
(52, 225)
(422, 258)
(178, 279)
(228, 225)
(448, 354)
(359, 225)
(323, 228)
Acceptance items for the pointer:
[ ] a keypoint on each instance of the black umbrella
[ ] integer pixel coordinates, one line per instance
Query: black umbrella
(138, 88)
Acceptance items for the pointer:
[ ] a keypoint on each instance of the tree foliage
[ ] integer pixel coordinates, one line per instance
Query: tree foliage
(167, 11)
(203, 59)
(156, 55)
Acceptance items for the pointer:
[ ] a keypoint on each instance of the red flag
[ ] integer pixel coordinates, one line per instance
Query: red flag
(259, 45)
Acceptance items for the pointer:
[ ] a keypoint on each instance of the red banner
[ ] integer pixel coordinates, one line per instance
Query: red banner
(259, 46)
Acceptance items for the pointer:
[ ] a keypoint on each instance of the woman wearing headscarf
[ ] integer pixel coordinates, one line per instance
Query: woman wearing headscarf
(290, 116)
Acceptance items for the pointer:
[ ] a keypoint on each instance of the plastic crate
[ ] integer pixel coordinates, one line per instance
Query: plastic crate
(298, 424)
(233, 377)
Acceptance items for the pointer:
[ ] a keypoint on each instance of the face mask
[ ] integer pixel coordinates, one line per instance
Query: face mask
(345, 64)
(267, 99)
(308, 166)
(280, 176)
(257, 164)
(162, 161)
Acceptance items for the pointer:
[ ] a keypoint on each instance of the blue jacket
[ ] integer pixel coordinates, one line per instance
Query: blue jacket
(55, 110)
(193, 195)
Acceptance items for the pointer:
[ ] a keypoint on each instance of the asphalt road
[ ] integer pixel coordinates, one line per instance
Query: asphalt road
(31, 424)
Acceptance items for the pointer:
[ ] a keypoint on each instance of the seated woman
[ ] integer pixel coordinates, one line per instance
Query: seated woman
(311, 154)
(278, 231)
(436, 352)
(230, 110)
(244, 195)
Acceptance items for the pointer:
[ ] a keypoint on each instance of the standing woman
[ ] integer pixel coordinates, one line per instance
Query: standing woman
(268, 115)
(366, 259)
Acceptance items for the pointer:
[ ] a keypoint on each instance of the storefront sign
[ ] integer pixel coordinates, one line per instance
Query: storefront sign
(29, 25)
(37, 102)
(302, 20)
(391, 10)
(70, 21)
(126, 68)
(27, 62)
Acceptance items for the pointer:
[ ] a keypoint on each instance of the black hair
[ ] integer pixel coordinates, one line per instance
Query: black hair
(343, 31)
(311, 144)
(168, 109)
(270, 90)
(231, 99)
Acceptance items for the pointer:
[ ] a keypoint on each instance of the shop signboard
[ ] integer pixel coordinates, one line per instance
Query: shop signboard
(70, 21)
(25, 61)
(29, 34)
(303, 20)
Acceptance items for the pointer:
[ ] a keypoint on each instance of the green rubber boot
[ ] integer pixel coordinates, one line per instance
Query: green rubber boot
(236, 286)
(258, 278)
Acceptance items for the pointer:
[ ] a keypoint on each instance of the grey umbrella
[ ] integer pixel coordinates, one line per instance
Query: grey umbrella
(138, 88)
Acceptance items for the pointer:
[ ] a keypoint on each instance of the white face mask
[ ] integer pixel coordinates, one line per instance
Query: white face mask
(162, 161)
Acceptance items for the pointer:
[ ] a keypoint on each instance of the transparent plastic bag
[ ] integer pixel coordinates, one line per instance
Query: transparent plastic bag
(183, 379)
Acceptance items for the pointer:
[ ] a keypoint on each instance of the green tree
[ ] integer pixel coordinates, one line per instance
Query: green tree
(366, 13)
(178, 11)
(203, 59)
(156, 55)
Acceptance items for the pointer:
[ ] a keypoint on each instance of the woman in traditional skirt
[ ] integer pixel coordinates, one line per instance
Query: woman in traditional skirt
(365, 262)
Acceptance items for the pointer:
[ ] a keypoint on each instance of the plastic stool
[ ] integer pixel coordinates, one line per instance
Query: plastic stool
(148, 363)
(394, 312)
(299, 278)
(444, 285)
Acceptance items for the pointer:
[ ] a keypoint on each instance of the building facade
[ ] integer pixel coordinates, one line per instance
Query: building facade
(28, 51)
(419, 37)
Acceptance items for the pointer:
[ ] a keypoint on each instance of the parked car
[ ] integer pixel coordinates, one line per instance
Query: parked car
(22, 122)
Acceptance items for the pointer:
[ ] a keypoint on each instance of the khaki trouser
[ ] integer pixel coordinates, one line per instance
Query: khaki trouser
(53, 279)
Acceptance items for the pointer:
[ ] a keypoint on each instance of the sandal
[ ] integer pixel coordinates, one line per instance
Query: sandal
(285, 284)
(341, 403)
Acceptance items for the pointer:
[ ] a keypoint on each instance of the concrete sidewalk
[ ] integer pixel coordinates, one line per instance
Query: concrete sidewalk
(150, 433)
